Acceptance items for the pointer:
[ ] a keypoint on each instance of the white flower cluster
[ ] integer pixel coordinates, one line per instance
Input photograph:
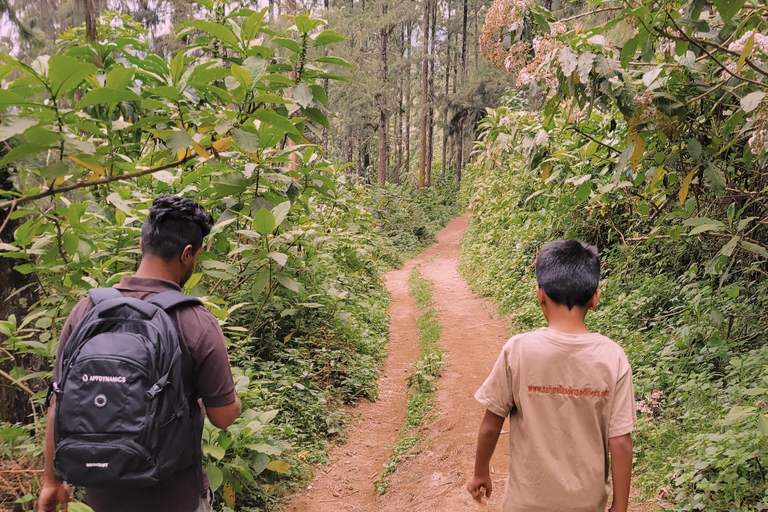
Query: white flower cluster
(558, 27)
(652, 405)
(760, 43)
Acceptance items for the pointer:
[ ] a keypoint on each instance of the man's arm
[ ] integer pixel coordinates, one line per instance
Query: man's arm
(621, 469)
(490, 428)
(224, 416)
(53, 491)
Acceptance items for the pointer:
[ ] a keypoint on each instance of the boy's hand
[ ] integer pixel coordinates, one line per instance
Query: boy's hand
(479, 483)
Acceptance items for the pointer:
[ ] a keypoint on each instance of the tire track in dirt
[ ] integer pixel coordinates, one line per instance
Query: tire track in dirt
(432, 480)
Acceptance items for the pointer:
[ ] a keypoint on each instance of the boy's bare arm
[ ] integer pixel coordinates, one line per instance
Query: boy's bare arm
(621, 469)
(490, 428)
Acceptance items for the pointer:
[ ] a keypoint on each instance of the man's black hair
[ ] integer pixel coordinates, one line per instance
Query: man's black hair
(568, 271)
(172, 224)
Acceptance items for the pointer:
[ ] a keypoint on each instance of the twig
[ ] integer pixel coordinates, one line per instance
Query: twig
(88, 184)
(686, 37)
(8, 218)
(576, 129)
(590, 13)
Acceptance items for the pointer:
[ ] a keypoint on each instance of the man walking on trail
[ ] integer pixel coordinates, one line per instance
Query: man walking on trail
(171, 241)
(568, 394)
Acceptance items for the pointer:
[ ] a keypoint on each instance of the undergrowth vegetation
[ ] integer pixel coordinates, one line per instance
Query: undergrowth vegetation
(292, 268)
(691, 320)
(421, 382)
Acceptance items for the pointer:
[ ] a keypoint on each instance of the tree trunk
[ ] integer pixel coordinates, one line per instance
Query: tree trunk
(407, 134)
(399, 117)
(383, 123)
(447, 76)
(89, 10)
(460, 150)
(424, 96)
(464, 44)
(431, 120)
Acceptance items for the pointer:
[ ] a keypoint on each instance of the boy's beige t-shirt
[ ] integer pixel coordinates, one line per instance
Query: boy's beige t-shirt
(565, 395)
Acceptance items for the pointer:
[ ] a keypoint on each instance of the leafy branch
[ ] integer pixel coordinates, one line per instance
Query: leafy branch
(89, 184)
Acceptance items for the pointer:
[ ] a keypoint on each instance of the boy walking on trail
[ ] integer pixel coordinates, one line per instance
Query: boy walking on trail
(171, 241)
(569, 397)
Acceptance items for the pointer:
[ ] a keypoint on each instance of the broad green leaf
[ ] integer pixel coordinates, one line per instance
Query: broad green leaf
(302, 94)
(264, 448)
(119, 78)
(242, 76)
(8, 98)
(54, 170)
(177, 67)
(41, 136)
(264, 222)
(215, 475)
(21, 151)
(316, 115)
(569, 60)
(728, 8)
(215, 451)
(694, 148)
(335, 60)
(260, 284)
(584, 66)
(179, 141)
(215, 29)
(755, 249)
(248, 142)
(276, 120)
(13, 125)
(328, 37)
(288, 282)
(305, 24)
(280, 211)
(319, 94)
(104, 96)
(728, 248)
(71, 241)
(256, 67)
(630, 47)
(278, 466)
(715, 178)
(76, 506)
(762, 423)
(280, 257)
(65, 73)
(751, 101)
(287, 43)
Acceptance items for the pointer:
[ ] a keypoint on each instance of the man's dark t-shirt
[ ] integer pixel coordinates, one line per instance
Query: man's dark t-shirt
(206, 375)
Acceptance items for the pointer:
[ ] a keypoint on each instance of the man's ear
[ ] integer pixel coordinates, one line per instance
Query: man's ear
(541, 296)
(187, 254)
(595, 299)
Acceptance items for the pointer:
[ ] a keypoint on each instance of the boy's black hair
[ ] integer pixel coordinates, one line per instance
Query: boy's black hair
(172, 224)
(568, 271)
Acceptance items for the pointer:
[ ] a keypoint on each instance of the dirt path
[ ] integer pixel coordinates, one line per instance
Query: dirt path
(434, 479)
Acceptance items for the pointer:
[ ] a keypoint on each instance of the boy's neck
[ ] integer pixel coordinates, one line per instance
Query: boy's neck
(561, 319)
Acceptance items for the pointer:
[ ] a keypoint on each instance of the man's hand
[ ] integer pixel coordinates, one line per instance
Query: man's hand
(479, 483)
(51, 495)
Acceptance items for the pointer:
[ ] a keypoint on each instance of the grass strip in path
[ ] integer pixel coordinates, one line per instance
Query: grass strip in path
(421, 382)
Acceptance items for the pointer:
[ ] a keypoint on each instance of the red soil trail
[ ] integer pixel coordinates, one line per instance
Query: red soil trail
(434, 479)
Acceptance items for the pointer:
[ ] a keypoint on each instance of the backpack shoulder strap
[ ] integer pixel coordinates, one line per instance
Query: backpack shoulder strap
(99, 295)
(171, 299)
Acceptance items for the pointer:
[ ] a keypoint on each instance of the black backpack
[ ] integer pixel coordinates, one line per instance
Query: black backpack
(122, 417)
